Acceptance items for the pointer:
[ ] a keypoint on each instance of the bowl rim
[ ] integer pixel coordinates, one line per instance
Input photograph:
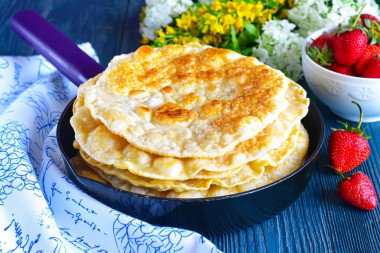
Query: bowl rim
(191, 200)
(371, 81)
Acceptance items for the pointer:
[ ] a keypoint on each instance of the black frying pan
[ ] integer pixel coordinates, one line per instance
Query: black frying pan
(205, 215)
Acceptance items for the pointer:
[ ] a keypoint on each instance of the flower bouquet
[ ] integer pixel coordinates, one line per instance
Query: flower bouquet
(271, 30)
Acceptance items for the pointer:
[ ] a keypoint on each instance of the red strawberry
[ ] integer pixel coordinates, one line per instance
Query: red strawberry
(368, 17)
(348, 148)
(370, 52)
(349, 42)
(342, 69)
(372, 25)
(373, 68)
(319, 42)
(357, 190)
(320, 50)
(349, 45)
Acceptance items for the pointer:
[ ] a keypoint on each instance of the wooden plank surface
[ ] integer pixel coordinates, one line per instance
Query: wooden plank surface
(317, 222)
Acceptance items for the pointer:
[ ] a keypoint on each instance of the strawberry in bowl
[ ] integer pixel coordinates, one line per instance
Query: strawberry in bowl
(342, 63)
(350, 48)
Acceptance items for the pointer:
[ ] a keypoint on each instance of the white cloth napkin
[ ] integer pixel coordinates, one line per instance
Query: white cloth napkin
(41, 210)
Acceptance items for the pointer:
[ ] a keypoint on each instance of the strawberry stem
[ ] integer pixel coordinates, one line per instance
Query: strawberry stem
(352, 129)
(358, 16)
(361, 115)
(357, 129)
(337, 171)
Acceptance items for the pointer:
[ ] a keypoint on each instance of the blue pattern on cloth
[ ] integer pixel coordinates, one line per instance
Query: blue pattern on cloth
(41, 209)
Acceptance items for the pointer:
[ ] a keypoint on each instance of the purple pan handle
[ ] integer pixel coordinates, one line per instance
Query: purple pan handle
(47, 40)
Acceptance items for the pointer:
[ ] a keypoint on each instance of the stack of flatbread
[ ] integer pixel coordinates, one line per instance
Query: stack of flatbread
(189, 121)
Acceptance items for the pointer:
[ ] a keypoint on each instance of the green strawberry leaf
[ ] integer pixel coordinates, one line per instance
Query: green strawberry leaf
(373, 40)
(368, 23)
(323, 58)
(352, 129)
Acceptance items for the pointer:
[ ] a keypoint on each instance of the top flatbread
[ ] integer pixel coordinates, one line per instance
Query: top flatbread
(186, 101)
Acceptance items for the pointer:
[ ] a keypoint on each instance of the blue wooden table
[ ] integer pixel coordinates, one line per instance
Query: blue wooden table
(319, 221)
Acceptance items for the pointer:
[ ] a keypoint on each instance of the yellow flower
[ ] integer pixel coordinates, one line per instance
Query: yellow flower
(202, 9)
(184, 40)
(227, 21)
(274, 10)
(210, 19)
(249, 12)
(256, 10)
(239, 24)
(161, 40)
(219, 29)
(215, 26)
(216, 6)
(144, 40)
(241, 9)
(184, 21)
(194, 39)
(291, 3)
(231, 6)
(266, 15)
(207, 39)
(161, 33)
(170, 30)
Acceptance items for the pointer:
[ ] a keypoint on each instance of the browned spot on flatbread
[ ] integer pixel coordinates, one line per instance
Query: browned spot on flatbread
(213, 109)
(136, 92)
(254, 94)
(167, 89)
(144, 51)
(144, 112)
(190, 99)
(173, 113)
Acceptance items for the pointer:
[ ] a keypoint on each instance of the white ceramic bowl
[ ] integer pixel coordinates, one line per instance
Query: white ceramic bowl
(338, 91)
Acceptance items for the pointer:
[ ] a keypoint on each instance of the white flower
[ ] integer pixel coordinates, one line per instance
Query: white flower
(160, 13)
(206, 2)
(311, 15)
(280, 48)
